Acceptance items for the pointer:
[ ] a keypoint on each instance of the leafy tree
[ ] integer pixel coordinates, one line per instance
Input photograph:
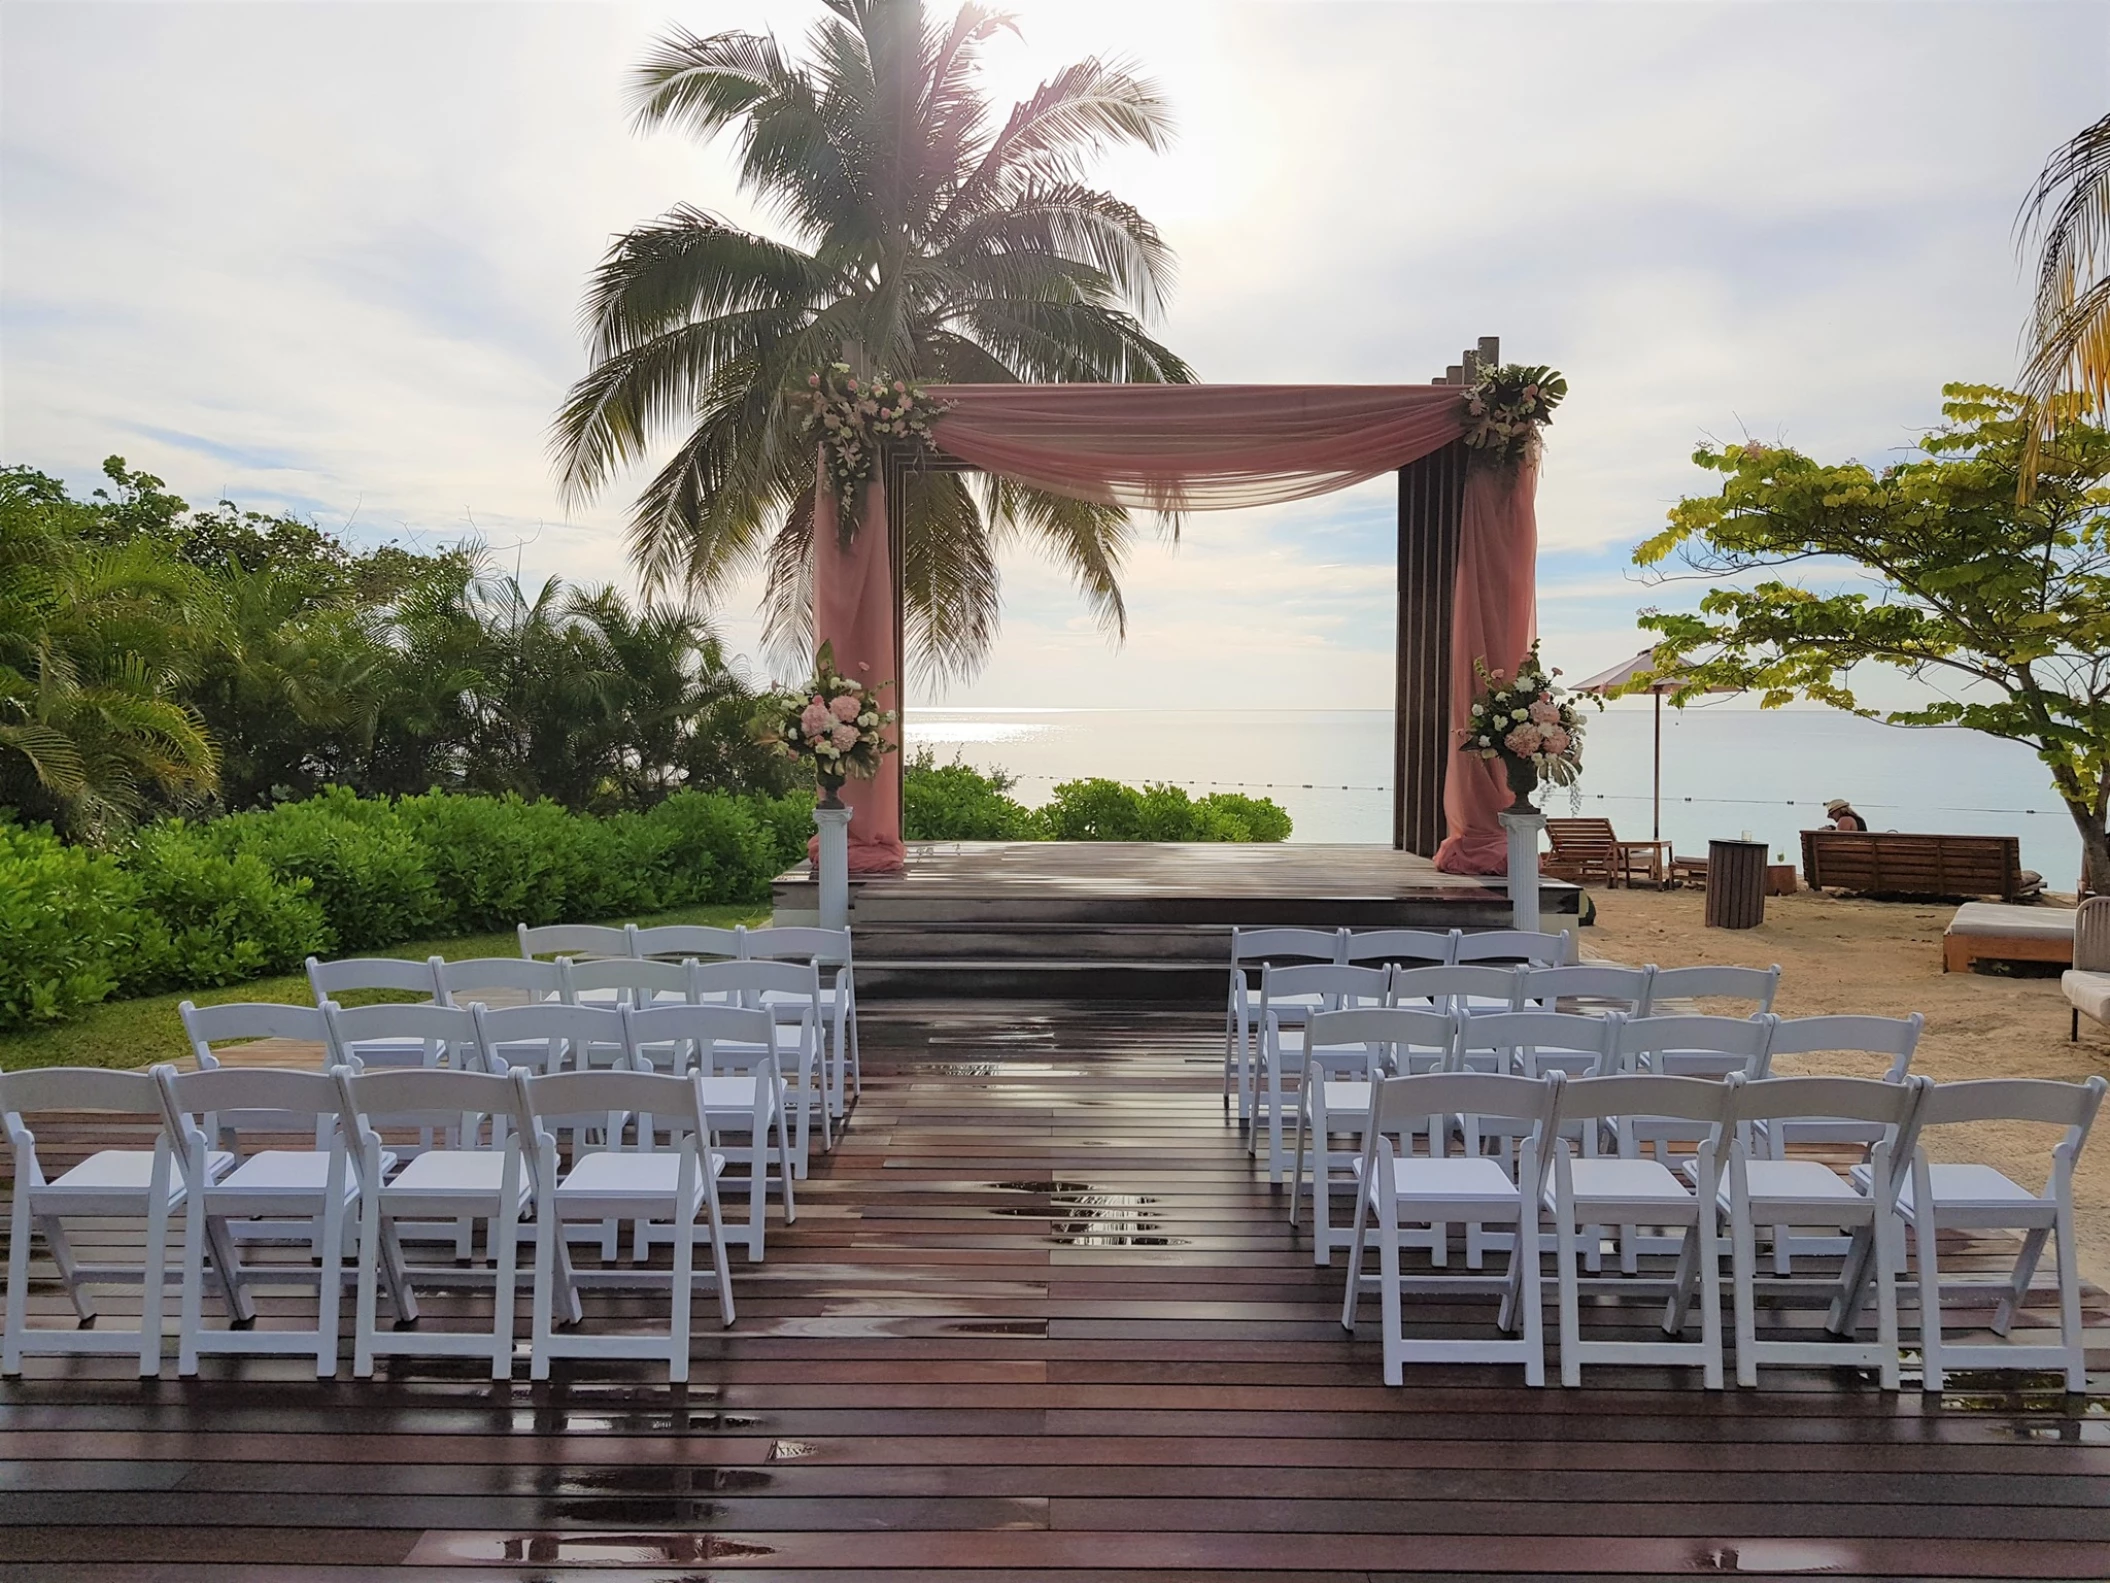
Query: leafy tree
(2007, 603)
(946, 241)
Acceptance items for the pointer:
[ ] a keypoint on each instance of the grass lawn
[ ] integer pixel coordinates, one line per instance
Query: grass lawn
(139, 1032)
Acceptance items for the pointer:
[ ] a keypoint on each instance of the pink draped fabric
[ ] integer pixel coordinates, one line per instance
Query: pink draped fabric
(1494, 617)
(1195, 447)
(853, 608)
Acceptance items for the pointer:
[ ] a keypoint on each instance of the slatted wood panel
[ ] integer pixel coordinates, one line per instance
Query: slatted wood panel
(1038, 1320)
(1431, 516)
(1913, 865)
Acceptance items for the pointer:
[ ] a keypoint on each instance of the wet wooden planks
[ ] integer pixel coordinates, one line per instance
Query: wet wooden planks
(1039, 1318)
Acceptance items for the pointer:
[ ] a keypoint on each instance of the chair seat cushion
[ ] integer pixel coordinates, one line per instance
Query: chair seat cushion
(2003, 921)
(1463, 1182)
(611, 1173)
(275, 1171)
(2089, 993)
(1962, 1186)
(1803, 1180)
(1625, 1180)
(452, 1171)
(130, 1170)
(1345, 1097)
(721, 1094)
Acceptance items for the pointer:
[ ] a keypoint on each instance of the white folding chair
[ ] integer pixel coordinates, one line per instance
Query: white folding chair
(467, 1182)
(1526, 947)
(1627, 1190)
(314, 1184)
(674, 1185)
(742, 1096)
(1471, 989)
(576, 940)
(1819, 1046)
(496, 981)
(706, 942)
(1529, 1044)
(1251, 949)
(1980, 1198)
(1289, 998)
(1401, 948)
(1344, 1053)
(791, 993)
(620, 981)
(829, 951)
(1758, 985)
(1588, 988)
(397, 975)
(110, 1184)
(1397, 1188)
(1757, 1190)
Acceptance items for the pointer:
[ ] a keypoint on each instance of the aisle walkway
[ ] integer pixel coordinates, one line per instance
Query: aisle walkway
(1036, 1321)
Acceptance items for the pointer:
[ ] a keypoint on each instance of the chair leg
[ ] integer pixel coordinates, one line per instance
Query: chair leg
(547, 1233)
(190, 1304)
(153, 1289)
(365, 1296)
(683, 1292)
(1710, 1296)
(1743, 1257)
(69, 1269)
(503, 1228)
(1884, 1232)
(1353, 1296)
(329, 1280)
(1930, 1305)
(19, 1232)
(1388, 1292)
(1564, 1232)
(2025, 1271)
(2070, 1304)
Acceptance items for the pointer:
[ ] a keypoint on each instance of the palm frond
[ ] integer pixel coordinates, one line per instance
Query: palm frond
(704, 85)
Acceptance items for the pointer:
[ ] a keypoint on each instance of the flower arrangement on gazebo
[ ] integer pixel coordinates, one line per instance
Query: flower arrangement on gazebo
(835, 725)
(1530, 724)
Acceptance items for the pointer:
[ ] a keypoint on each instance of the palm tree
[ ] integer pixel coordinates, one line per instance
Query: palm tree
(2069, 211)
(944, 242)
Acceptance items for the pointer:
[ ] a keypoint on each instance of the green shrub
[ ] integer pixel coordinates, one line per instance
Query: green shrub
(1094, 810)
(620, 866)
(211, 919)
(956, 802)
(497, 861)
(1259, 818)
(718, 850)
(68, 918)
(788, 822)
(369, 870)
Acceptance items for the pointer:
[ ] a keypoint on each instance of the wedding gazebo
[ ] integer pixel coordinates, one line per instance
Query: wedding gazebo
(1465, 451)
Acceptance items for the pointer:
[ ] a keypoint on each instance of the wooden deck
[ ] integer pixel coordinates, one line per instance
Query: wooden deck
(1038, 1320)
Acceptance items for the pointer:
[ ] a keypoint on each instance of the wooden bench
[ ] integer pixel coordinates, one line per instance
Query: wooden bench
(1987, 931)
(1886, 863)
(1590, 849)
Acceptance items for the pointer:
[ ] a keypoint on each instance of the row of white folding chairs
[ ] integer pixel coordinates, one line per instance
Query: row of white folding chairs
(827, 949)
(501, 1166)
(1254, 949)
(1290, 996)
(792, 992)
(1544, 1191)
(1344, 1051)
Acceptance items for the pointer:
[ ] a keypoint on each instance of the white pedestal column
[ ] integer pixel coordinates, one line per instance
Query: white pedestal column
(1524, 831)
(834, 826)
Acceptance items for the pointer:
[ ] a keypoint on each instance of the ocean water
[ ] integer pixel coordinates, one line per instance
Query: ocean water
(1727, 772)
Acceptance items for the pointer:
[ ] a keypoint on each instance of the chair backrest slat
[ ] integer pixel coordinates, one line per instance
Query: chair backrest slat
(469, 979)
(1598, 981)
(2014, 1099)
(56, 1088)
(1527, 946)
(1710, 981)
(685, 940)
(796, 943)
(1285, 945)
(625, 973)
(205, 1026)
(332, 980)
(669, 1100)
(406, 1096)
(573, 939)
(1630, 1094)
(1826, 1098)
(1466, 980)
(1401, 947)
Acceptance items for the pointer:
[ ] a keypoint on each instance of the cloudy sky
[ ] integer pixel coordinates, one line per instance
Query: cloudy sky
(328, 257)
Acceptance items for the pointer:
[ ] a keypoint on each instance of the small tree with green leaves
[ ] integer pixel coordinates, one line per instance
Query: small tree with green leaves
(1928, 566)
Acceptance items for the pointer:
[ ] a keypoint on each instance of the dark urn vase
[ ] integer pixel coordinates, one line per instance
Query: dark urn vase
(831, 790)
(1523, 781)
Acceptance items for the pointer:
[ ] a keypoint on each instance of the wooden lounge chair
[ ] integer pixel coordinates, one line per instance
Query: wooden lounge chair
(1895, 864)
(1591, 849)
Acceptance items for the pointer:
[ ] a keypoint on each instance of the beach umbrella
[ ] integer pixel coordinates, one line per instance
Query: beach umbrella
(1620, 680)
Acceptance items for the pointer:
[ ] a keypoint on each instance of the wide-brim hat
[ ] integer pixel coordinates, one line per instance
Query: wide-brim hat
(1836, 804)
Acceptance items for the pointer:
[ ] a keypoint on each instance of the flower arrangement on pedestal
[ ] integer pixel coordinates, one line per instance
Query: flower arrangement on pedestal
(1507, 409)
(853, 417)
(1530, 724)
(835, 724)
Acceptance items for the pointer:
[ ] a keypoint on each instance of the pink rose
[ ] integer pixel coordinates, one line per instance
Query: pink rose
(1553, 740)
(844, 738)
(1545, 714)
(814, 718)
(813, 379)
(1523, 742)
(843, 708)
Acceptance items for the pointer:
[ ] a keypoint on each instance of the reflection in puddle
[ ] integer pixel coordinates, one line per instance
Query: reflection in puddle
(579, 1549)
(662, 1480)
(1085, 1216)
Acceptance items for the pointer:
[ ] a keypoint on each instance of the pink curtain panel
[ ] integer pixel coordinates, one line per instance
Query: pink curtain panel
(1179, 448)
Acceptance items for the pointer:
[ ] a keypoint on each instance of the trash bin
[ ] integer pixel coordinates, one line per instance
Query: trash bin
(1736, 884)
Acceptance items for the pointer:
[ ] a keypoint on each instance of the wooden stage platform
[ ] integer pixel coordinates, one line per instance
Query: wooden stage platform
(1126, 919)
(1039, 1320)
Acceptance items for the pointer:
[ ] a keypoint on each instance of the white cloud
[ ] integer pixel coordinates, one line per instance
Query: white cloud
(331, 256)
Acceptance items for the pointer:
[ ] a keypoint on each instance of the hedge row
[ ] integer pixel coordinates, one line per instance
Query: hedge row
(184, 905)
(955, 802)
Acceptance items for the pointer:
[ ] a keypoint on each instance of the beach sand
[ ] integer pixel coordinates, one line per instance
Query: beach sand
(1884, 958)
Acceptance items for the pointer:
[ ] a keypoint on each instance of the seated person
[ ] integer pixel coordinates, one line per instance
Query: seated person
(1840, 813)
